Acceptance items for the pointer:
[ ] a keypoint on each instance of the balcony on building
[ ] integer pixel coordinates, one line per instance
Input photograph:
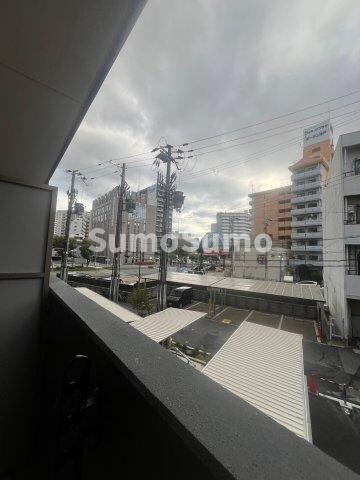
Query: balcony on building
(352, 217)
(306, 185)
(306, 223)
(295, 262)
(304, 235)
(306, 210)
(352, 286)
(308, 173)
(307, 197)
(296, 247)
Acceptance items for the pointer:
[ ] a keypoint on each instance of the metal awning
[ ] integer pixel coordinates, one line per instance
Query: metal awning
(186, 278)
(261, 287)
(121, 312)
(164, 324)
(264, 366)
(158, 326)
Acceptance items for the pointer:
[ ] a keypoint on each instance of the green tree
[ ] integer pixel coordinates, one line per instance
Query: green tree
(141, 301)
(59, 244)
(85, 250)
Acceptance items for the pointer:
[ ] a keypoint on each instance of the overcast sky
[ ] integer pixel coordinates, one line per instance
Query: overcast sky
(193, 69)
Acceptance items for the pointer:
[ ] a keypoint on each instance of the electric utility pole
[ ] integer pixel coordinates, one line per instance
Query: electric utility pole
(266, 223)
(115, 274)
(280, 266)
(71, 196)
(165, 156)
(232, 246)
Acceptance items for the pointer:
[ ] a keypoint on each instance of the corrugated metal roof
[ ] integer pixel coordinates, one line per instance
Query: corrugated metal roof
(267, 287)
(264, 366)
(162, 325)
(283, 289)
(121, 312)
(157, 326)
(187, 278)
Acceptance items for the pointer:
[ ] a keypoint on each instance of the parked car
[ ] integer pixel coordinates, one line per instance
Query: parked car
(197, 271)
(306, 282)
(179, 297)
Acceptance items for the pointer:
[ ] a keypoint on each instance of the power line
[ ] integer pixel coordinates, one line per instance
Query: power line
(273, 118)
(148, 152)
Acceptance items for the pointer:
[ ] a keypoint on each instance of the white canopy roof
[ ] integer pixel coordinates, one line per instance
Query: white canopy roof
(264, 366)
(162, 325)
(121, 312)
(157, 326)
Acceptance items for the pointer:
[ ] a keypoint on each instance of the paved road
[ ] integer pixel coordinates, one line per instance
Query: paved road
(335, 432)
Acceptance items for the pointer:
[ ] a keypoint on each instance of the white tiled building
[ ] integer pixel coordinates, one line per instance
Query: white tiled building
(228, 223)
(308, 177)
(79, 225)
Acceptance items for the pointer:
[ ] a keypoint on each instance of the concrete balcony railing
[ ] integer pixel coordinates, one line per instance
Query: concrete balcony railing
(305, 223)
(296, 235)
(352, 230)
(306, 248)
(306, 198)
(306, 186)
(352, 286)
(147, 414)
(294, 262)
(309, 173)
(303, 211)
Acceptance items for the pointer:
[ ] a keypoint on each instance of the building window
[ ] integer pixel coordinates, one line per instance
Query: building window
(357, 166)
(317, 149)
(353, 259)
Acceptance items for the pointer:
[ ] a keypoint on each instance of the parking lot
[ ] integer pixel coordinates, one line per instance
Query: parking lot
(334, 430)
(210, 333)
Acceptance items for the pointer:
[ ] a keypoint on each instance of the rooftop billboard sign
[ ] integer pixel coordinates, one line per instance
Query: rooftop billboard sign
(318, 133)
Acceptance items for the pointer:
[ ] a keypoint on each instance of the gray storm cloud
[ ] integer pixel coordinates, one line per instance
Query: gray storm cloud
(192, 69)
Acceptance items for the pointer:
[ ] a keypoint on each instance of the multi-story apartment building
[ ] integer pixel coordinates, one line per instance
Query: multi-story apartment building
(308, 177)
(271, 213)
(141, 220)
(342, 237)
(231, 223)
(154, 196)
(146, 218)
(60, 223)
(79, 225)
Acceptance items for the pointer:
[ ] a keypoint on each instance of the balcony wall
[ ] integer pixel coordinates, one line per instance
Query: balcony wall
(307, 235)
(352, 286)
(306, 248)
(309, 173)
(302, 211)
(306, 198)
(316, 263)
(305, 223)
(352, 233)
(158, 417)
(306, 186)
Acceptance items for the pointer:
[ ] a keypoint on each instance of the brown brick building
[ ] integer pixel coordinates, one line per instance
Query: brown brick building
(271, 213)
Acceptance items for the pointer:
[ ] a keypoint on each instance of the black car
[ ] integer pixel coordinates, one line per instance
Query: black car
(179, 297)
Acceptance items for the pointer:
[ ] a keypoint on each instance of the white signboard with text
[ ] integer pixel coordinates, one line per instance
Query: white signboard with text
(317, 133)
